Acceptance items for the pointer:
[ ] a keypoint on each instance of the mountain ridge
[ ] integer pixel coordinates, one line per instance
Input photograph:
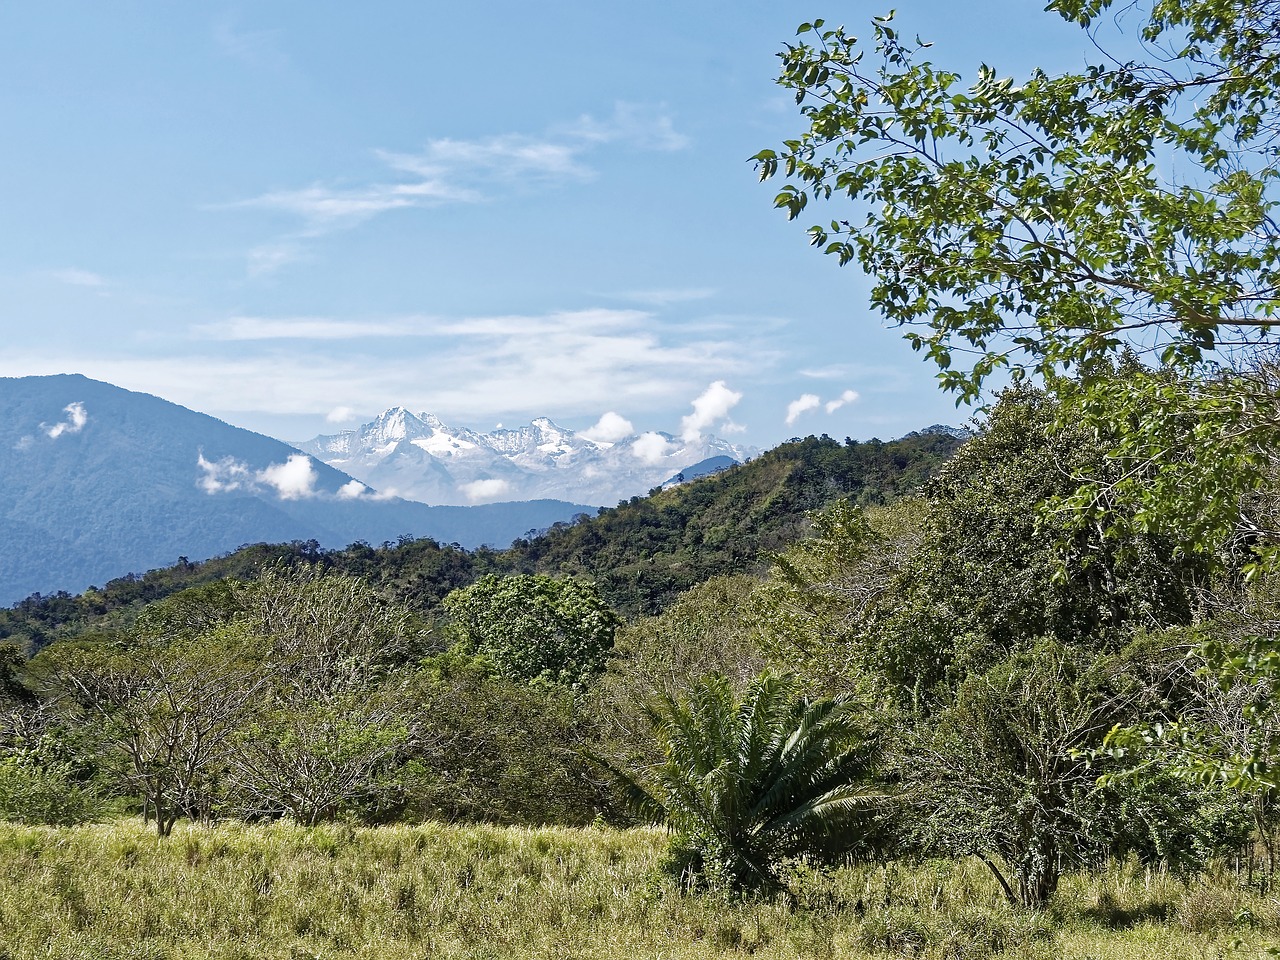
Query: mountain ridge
(418, 456)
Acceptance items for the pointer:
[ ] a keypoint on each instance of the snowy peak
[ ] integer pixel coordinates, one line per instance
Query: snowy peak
(421, 457)
(540, 440)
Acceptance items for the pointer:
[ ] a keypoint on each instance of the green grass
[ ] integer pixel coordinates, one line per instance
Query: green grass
(281, 891)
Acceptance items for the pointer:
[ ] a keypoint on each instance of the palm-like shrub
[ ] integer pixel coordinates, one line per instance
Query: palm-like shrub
(748, 783)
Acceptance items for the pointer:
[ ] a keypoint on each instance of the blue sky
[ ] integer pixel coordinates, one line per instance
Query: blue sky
(293, 215)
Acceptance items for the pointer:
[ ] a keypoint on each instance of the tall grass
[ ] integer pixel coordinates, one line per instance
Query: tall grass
(281, 891)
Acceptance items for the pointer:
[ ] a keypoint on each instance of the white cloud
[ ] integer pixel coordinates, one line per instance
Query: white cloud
(270, 257)
(610, 428)
(803, 404)
(259, 48)
(849, 396)
(651, 447)
(295, 479)
(478, 490)
(324, 209)
(76, 419)
(833, 372)
(77, 278)
(567, 364)
(509, 158)
(352, 490)
(712, 404)
(340, 415)
(224, 475)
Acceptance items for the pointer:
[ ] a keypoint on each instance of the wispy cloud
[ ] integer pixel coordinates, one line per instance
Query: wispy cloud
(323, 209)
(258, 48)
(449, 170)
(77, 417)
(510, 157)
(270, 257)
(303, 328)
(646, 126)
(569, 363)
(833, 372)
(662, 298)
(74, 277)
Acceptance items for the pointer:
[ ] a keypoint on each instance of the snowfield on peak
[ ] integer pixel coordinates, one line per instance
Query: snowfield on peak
(419, 457)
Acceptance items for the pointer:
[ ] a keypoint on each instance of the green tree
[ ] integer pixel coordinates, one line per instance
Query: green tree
(1045, 226)
(921, 594)
(160, 712)
(749, 782)
(496, 750)
(332, 724)
(710, 628)
(535, 628)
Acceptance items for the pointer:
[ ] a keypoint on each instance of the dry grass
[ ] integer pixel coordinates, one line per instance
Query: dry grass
(281, 891)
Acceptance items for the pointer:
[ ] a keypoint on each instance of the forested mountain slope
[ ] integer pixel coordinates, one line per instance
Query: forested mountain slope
(96, 480)
(641, 553)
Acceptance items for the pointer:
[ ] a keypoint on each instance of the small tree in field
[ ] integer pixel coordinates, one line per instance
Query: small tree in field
(162, 713)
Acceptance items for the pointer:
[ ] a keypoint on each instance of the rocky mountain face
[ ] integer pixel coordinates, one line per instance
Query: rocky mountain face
(97, 482)
(419, 457)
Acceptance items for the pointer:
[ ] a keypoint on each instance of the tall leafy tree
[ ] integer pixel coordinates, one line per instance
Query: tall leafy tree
(535, 628)
(951, 582)
(1045, 225)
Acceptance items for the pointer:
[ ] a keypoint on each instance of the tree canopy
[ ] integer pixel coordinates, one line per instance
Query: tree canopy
(1044, 227)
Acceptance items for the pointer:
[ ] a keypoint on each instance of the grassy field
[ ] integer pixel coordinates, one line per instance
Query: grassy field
(280, 891)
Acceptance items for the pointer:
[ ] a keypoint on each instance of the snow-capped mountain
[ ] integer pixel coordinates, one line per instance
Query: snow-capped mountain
(419, 457)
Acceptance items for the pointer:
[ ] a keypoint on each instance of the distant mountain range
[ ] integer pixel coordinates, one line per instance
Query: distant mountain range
(97, 481)
(420, 457)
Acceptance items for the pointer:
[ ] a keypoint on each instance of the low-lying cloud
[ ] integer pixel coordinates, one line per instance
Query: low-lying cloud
(77, 417)
(295, 479)
(651, 447)
(480, 490)
(610, 428)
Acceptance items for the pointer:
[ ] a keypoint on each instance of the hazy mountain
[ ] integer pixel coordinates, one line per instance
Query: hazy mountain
(420, 457)
(97, 481)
